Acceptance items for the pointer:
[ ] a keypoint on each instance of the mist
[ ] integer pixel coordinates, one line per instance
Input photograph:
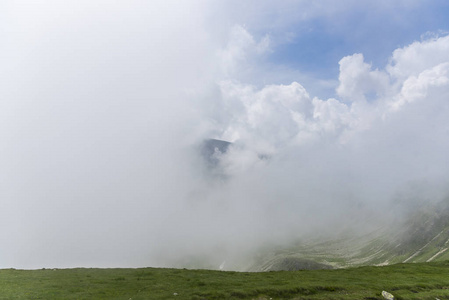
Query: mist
(103, 108)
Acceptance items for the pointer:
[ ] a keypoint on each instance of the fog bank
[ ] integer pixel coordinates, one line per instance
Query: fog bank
(103, 108)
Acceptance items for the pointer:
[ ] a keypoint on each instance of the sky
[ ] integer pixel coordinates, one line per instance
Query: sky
(338, 115)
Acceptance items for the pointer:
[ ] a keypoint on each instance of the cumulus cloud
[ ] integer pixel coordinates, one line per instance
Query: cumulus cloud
(416, 88)
(272, 113)
(418, 57)
(357, 79)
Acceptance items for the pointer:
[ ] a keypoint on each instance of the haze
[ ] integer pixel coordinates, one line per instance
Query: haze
(338, 115)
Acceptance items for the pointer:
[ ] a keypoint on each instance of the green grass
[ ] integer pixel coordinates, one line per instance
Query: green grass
(405, 281)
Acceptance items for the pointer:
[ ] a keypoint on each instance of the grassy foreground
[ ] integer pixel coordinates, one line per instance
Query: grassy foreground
(404, 281)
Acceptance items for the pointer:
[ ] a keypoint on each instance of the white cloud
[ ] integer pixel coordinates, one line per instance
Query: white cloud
(241, 52)
(416, 88)
(357, 79)
(418, 57)
(332, 114)
(271, 113)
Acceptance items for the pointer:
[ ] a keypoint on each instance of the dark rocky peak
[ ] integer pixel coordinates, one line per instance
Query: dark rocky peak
(213, 149)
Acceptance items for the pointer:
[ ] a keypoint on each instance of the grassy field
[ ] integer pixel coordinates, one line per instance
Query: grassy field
(404, 281)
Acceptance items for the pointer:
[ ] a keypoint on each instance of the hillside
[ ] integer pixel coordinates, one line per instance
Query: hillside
(421, 237)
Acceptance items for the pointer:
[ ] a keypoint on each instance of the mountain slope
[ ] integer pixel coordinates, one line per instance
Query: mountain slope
(422, 237)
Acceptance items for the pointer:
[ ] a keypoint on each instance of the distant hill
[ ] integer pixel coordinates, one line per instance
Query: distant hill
(212, 152)
(421, 237)
(212, 149)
